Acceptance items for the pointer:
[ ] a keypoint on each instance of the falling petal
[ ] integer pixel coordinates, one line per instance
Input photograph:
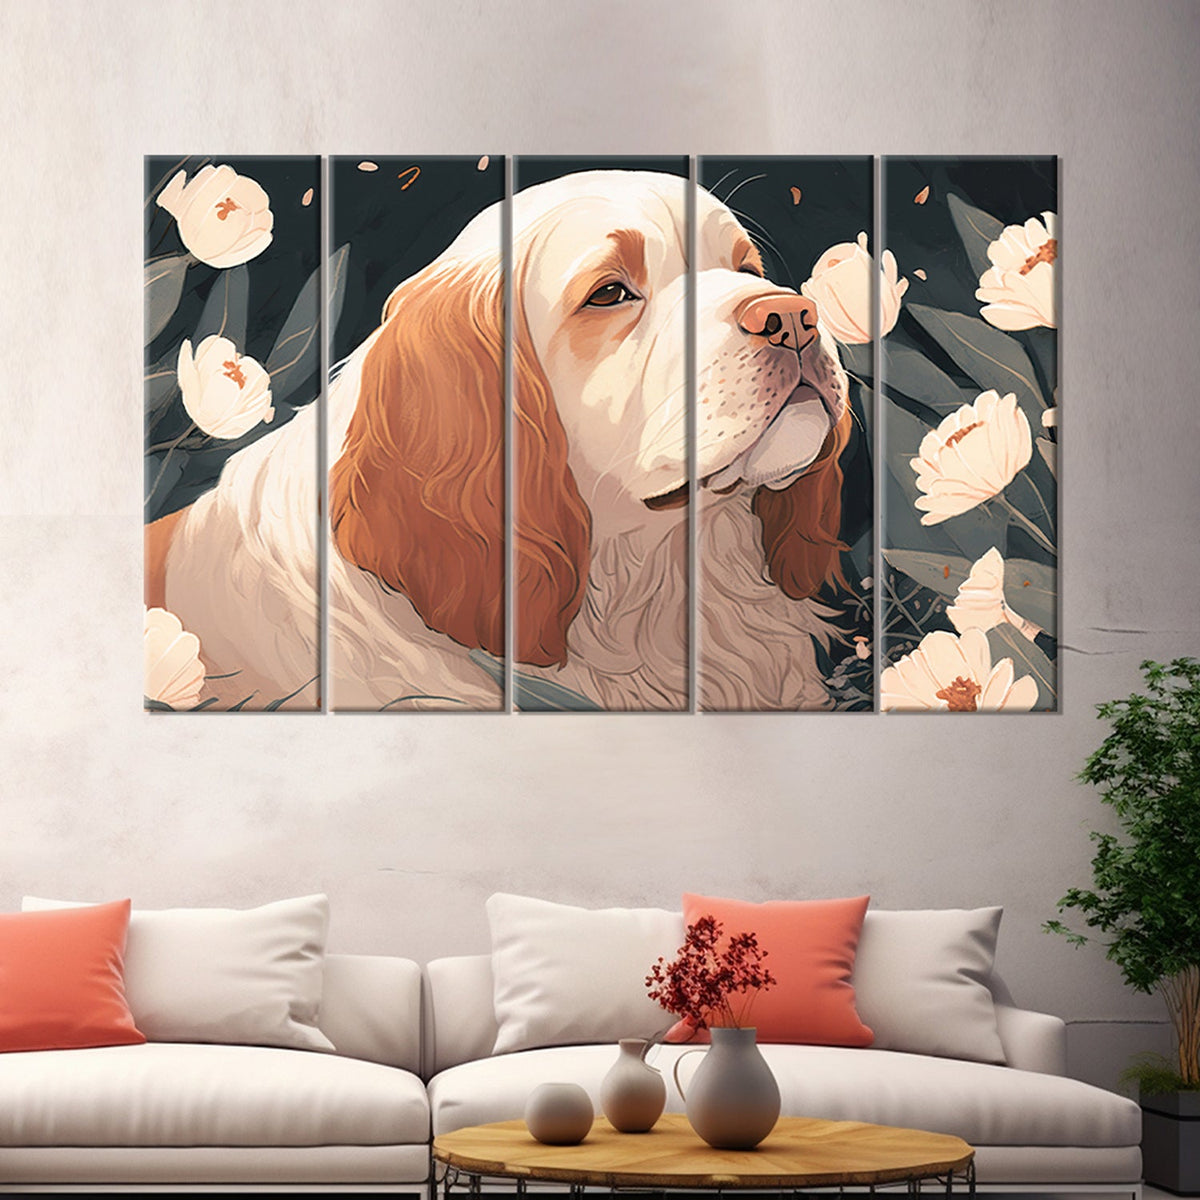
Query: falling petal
(922, 195)
(368, 165)
(306, 199)
(920, 273)
(795, 195)
(482, 164)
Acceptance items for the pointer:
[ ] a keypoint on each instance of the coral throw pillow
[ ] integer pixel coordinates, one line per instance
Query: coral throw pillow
(810, 947)
(62, 979)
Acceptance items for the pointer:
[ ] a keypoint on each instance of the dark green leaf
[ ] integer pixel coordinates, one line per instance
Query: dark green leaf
(977, 230)
(226, 309)
(1049, 452)
(163, 286)
(929, 569)
(985, 354)
(907, 370)
(296, 354)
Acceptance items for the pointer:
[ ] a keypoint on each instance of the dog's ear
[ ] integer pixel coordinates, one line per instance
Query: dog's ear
(800, 523)
(552, 526)
(417, 495)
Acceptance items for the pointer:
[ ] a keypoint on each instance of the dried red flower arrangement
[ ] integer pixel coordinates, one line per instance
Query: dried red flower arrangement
(704, 983)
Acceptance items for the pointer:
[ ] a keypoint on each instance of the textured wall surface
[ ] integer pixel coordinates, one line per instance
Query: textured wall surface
(410, 821)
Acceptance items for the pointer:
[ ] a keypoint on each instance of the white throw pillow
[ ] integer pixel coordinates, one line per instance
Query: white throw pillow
(236, 976)
(920, 981)
(564, 975)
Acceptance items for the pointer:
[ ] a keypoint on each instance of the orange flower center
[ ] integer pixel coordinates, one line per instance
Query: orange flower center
(1047, 253)
(960, 695)
(957, 437)
(234, 372)
(226, 206)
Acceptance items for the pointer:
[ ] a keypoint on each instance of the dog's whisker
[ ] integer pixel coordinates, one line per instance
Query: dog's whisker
(752, 179)
(713, 188)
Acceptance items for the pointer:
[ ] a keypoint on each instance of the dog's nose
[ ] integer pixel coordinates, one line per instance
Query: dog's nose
(765, 315)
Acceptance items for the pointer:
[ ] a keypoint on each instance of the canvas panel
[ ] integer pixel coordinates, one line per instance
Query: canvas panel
(600, 454)
(415, 438)
(783, 428)
(232, 363)
(970, 430)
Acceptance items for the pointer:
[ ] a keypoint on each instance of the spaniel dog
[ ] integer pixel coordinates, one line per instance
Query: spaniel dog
(416, 555)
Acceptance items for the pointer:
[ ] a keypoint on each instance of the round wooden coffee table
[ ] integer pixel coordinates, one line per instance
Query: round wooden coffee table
(800, 1152)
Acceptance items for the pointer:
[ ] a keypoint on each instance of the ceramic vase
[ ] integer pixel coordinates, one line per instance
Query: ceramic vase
(559, 1114)
(732, 1100)
(633, 1094)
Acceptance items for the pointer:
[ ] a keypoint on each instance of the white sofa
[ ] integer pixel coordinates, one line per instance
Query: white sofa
(416, 1056)
(1029, 1124)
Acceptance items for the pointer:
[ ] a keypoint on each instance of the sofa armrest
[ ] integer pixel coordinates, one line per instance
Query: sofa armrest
(371, 1008)
(1032, 1041)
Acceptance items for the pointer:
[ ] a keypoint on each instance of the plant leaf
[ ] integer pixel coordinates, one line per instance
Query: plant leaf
(987, 355)
(1049, 452)
(859, 360)
(929, 569)
(226, 308)
(296, 354)
(162, 288)
(1028, 659)
(1031, 590)
(977, 229)
(907, 370)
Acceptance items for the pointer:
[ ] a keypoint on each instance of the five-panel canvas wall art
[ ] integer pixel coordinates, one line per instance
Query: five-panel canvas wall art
(601, 434)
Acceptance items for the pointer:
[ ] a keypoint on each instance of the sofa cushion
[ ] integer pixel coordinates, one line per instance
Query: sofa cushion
(809, 948)
(176, 1094)
(982, 1103)
(241, 976)
(564, 975)
(61, 984)
(920, 981)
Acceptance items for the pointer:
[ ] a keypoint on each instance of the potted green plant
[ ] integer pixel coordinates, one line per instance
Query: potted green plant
(1145, 897)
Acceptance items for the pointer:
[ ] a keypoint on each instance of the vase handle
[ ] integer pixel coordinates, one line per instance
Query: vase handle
(675, 1068)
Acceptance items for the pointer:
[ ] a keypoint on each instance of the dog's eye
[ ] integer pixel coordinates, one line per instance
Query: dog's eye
(747, 269)
(608, 294)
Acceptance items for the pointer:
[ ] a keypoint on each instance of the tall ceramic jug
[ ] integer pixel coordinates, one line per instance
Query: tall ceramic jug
(632, 1094)
(732, 1100)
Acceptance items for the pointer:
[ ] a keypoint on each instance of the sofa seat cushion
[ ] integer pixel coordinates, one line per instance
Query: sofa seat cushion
(984, 1104)
(183, 1094)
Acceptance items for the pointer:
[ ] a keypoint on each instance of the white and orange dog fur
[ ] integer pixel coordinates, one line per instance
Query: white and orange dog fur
(416, 554)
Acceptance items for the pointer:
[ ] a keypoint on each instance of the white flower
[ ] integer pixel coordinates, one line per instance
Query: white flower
(951, 673)
(980, 602)
(224, 218)
(174, 672)
(1018, 287)
(224, 392)
(974, 454)
(840, 286)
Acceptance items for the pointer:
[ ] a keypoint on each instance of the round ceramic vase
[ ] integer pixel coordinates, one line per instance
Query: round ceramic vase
(633, 1094)
(559, 1114)
(732, 1100)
